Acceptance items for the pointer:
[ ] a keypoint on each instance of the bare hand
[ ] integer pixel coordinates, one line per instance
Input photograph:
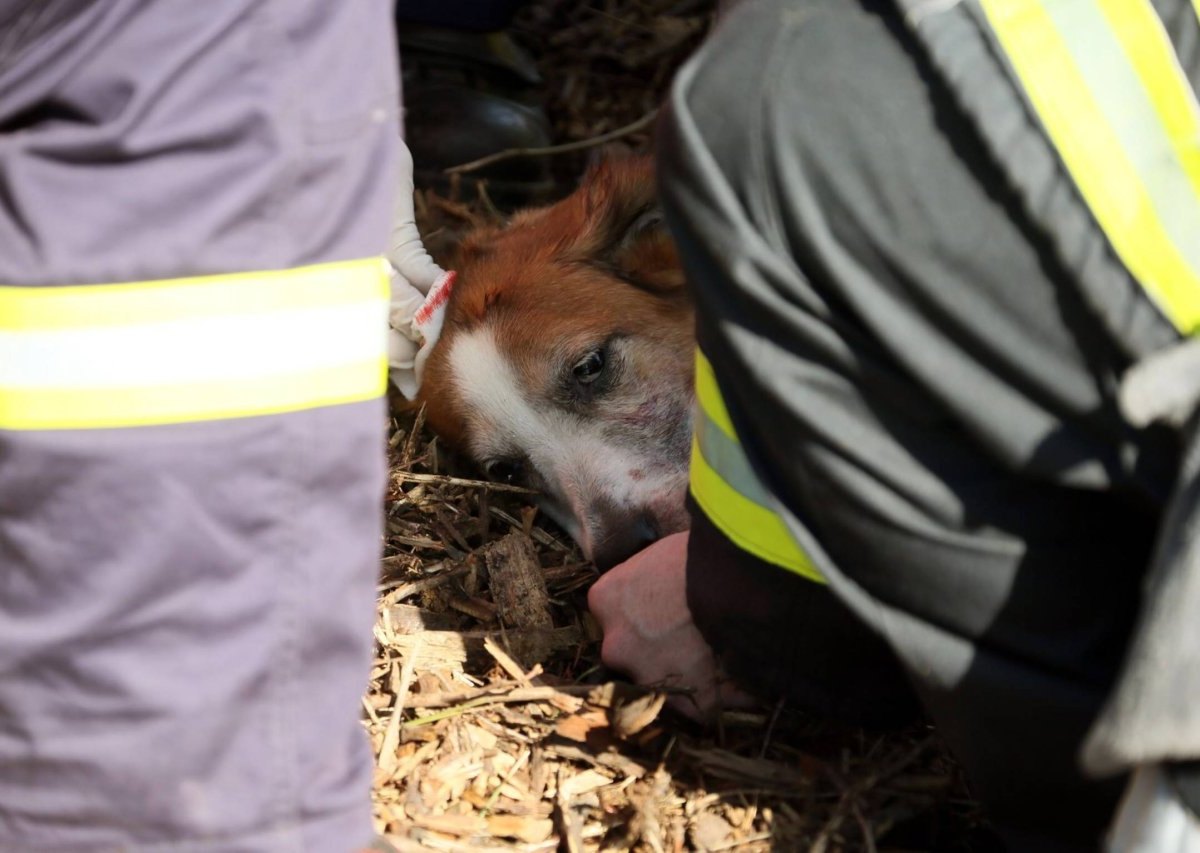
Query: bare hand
(649, 633)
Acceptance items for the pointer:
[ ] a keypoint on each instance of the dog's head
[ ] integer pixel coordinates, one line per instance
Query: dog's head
(565, 362)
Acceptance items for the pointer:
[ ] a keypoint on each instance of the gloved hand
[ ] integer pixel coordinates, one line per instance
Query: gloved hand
(1158, 813)
(420, 289)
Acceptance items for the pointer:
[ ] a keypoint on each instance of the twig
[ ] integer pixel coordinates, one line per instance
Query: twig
(447, 480)
(762, 752)
(404, 590)
(414, 436)
(456, 711)
(570, 822)
(395, 560)
(489, 696)
(902, 764)
(366, 703)
(506, 662)
(868, 835)
(564, 696)
(486, 200)
(508, 692)
(460, 211)
(835, 820)
(476, 608)
(506, 779)
(406, 677)
(537, 534)
(401, 678)
(562, 148)
(418, 542)
(401, 681)
(738, 842)
(408, 561)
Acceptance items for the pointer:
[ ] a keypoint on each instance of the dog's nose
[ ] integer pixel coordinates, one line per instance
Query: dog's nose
(619, 535)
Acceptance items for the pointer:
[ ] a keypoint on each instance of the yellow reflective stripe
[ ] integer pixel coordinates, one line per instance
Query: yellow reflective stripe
(715, 478)
(188, 350)
(94, 408)
(753, 528)
(1135, 176)
(132, 303)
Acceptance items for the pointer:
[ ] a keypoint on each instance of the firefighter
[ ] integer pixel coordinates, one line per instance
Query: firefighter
(194, 203)
(946, 258)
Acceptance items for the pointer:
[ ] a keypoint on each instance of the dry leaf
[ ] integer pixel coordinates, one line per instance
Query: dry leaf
(629, 718)
(577, 726)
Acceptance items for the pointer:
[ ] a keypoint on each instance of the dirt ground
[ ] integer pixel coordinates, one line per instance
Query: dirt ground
(494, 725)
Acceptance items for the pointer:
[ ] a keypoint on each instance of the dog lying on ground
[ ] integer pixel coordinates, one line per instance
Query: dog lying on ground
(565, 362)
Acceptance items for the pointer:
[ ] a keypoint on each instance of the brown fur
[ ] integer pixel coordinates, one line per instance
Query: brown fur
(553, 269)
(556, 280)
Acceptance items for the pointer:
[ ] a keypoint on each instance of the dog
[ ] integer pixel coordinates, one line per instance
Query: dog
(565, 362)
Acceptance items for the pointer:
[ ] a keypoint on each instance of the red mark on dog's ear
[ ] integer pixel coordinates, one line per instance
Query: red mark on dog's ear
(637, 474)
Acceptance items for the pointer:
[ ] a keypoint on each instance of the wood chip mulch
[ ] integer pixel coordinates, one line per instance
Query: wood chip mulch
(496, 728)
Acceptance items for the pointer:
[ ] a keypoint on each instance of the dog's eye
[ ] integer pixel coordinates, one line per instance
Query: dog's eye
(509, 471)
(588, 369)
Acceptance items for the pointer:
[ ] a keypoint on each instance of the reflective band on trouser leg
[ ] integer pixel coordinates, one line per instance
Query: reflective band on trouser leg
(727, 489)
(194, 349)
(1108, 88)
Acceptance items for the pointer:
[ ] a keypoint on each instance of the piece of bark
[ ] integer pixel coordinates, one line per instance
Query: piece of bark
(517, 582)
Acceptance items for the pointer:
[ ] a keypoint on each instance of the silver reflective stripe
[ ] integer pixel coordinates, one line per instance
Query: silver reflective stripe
(726, 456)
(1131, 116)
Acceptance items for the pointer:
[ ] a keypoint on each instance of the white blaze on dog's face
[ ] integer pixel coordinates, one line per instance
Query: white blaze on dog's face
(565, 363)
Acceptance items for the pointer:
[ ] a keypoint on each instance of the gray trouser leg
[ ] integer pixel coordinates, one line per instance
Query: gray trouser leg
(186, 609)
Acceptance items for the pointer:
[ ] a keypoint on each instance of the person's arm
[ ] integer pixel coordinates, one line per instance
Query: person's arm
(695, 611)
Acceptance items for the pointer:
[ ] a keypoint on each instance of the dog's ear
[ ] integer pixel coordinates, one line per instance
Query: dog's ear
(623, 227)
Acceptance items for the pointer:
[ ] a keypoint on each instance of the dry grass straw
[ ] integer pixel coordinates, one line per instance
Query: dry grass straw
(493, 723)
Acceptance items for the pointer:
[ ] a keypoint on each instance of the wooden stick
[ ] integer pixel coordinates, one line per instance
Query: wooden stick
(447, 480)
(563, 148)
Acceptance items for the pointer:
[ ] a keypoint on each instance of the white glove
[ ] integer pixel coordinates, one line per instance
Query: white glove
(420, 289)
(1151, 818)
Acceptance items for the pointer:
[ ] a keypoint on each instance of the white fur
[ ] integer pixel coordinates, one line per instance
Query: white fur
(569, 452)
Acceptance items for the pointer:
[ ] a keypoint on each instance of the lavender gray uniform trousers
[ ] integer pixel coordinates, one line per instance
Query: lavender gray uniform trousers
(186, 608)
